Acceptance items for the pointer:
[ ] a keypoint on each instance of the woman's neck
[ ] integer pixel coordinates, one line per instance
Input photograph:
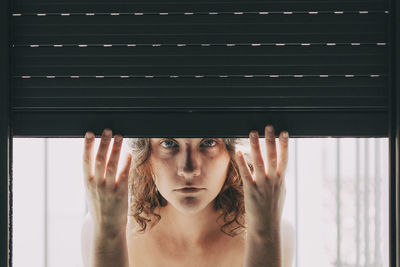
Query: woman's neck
(188, 230)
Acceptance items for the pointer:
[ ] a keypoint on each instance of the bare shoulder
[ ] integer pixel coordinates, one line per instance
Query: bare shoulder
(132, 230)
(142, 250)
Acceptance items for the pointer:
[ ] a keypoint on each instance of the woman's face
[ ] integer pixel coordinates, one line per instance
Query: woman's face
(189, 162)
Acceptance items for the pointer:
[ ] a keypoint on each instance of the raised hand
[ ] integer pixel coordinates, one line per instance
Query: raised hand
(107, 198)
(265, 192)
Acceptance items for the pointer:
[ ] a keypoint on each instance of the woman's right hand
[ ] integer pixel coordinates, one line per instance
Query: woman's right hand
(107, 198)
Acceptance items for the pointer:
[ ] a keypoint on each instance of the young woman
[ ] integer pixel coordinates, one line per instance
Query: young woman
(193, 202)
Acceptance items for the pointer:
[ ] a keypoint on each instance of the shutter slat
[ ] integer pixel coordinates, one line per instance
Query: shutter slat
(198, 29)
(214, 123)
(361, 92)
(213, 60)
(313, 60)
(370, 38)
(376, 17)
(155, 7)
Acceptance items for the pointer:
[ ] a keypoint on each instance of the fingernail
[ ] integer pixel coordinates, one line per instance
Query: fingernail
(118, 138)
(285, 134)
(270, 129)
(107, 132)
(89, 135)
(253, 135)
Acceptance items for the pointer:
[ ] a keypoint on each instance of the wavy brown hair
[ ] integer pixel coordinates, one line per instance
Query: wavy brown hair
(144, 198)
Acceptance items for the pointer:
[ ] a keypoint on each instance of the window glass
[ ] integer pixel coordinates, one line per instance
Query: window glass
(336, 198)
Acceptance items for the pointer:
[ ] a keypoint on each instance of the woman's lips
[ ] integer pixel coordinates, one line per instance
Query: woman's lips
(189, 190)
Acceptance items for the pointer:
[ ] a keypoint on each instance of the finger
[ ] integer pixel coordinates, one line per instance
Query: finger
(88, 157)
(258, 161)
(101, 156)
(248, 182)
(270, 147)
(122, 182)
(283, 153)
(112, 165)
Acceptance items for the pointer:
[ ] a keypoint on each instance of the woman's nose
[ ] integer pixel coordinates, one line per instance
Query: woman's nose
(189, 167)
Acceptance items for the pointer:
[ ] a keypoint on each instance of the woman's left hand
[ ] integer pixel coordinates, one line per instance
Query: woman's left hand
(264, 194)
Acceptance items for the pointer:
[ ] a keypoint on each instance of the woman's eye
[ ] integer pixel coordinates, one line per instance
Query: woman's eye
(170, 143)
(211, 141)
(167, 141)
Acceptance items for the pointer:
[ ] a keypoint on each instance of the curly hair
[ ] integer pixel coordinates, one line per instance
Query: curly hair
(144, 198)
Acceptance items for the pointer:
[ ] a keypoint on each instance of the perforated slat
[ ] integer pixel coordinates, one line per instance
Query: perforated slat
(209, 29)
(194, 6)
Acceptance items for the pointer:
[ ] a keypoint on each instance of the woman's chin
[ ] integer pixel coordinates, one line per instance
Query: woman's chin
(190, 204)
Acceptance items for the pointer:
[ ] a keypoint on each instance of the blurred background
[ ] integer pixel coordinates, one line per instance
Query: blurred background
(337, 200)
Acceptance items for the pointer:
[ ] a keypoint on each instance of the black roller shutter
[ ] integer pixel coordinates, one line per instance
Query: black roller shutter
(200, 68)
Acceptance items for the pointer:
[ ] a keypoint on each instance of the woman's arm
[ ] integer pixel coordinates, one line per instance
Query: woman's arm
(107, 202)
(257, 251)
(109, 250)
(99, 249)
(264, 196)
(263, 249)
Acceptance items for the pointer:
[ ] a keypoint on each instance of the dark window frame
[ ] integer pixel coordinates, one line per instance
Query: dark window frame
(14, 125)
